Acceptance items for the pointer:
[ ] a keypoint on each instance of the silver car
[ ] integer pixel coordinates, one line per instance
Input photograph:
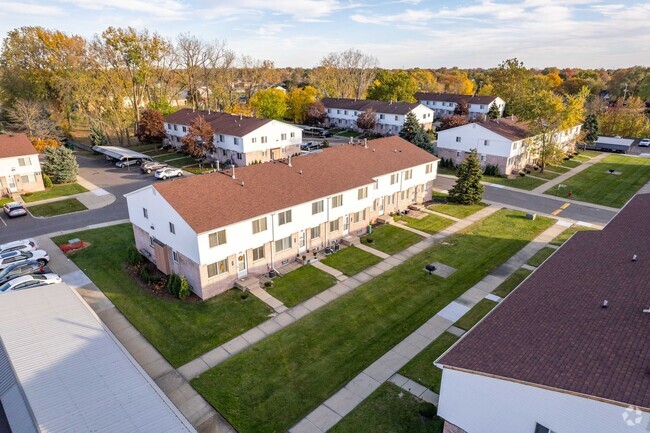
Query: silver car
(12, 257)
(21, 245)
(29, 281)
(164, 173)
(23, 268)
(14, 209)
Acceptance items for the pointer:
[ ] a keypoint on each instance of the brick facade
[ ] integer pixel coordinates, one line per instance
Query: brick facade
(516, 163)
(450, 428)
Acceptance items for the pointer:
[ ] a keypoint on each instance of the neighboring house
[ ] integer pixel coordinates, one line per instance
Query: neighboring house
(20, 170)
(389, 116)
(551, 357)
(238, 139)
(216, 228)
(62, 370)
(445, 103)
(505, 142)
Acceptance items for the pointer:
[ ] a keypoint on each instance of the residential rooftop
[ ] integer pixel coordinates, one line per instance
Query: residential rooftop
(508, 127)
(265, 188)
(386, 107)
(454, 97)
(553, 330)
(16, 144)
(222, 123)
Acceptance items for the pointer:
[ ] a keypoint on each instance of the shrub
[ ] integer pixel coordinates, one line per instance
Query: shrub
(522, 173)
(47, 182)
(133, 256)
(184, 290)
(244, 296)
(268, 284)
(427, 410)
(174, 284)
(491, 170)
(145, 275)
(528, 171)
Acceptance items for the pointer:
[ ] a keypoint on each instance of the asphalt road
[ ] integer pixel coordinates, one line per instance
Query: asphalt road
(117, 181)
(537, 203)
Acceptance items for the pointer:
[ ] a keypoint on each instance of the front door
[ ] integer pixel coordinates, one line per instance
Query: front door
(346, 224)
(242, 269)
(381, 206)
(302, 241)
(12, 184)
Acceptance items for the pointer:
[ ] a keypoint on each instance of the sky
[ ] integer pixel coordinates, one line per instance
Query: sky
(399, 33)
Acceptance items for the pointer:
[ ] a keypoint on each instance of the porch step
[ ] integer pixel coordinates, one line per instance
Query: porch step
(385, 219)
(351, 240)
(247, 283)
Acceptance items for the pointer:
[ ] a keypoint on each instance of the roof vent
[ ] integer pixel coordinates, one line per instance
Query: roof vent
(290, 161)
(373, 149)
(300, 172)
(634, 258)
(242, 183)
(394, 150)
(647, 310)
(604, 304)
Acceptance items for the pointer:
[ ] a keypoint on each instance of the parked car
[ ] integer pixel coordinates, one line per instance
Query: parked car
(19, 269)
(126, 162)
(164, 173)
(29, 281)
(22, 245)
(14, 209)
(310, 145)
(151, 166)
(326, 134)
(12, 257)
(645, 142)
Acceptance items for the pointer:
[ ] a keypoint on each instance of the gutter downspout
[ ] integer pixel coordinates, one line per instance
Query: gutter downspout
(273, 244)
(327, 223)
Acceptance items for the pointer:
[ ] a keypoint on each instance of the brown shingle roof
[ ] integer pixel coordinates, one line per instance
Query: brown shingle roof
(453, 97)
(215, 200)
(507, 127)
(18, 144)
(364, 104)
(222, 123)
(552, 330)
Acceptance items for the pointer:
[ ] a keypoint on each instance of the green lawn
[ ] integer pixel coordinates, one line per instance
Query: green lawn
(521, 182)
(477, 312)
(55, 191)
(570, 163)
(300, 284)
(180, 163)
(453, 209)
(197, 170)
(390, 239)
(596, 185)
(548, 175)
(511, 282)
(590, 153)
(581, 158)
(167, 156)
(6, 200)
(557, 168)
(429, 224)
(348, 134)
(391, 409)
(275, 383)
(541, 256)
(143, 147)
(351, 260)
(181, 331)
(566, 234)
(421, 368)
(55, 208)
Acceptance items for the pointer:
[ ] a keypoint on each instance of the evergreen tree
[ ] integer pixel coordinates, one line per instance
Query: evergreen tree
(493, 113)
(591, 128)
(468, 188)
(411, 127)
(60, 165)
(423, 141)
(97, 136)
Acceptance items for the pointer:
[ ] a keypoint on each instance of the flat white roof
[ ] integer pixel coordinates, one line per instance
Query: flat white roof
(120, 152)
(74, 374)
(614, 140)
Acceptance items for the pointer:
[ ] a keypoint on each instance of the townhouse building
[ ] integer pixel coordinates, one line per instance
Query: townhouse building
(389, 116)
(506, 143)
(566, 351)
(444, 104)
(219, 227)
(238, 139)
(20, 169)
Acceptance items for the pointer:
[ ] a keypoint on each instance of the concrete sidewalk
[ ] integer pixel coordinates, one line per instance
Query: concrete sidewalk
(328, 414)
(189, 402)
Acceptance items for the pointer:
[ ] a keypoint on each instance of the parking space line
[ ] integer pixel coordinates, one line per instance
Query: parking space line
(3, 221)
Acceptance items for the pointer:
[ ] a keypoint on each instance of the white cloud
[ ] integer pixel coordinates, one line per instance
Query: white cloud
(409, 16)
(272, 29)
(158, 8)
(29, 9)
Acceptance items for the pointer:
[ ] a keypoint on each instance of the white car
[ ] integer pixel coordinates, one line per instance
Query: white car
(29, 281)
(22, 245)
(645, 142)
(7, 259)
(166, 172)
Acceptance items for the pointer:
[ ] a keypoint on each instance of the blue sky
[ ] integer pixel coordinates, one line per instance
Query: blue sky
(399, 33)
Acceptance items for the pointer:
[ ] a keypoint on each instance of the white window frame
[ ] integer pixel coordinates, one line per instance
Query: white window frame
(217, 236)
(334, 226)
(172, 228)
(337, 201)
(284, 244)
(362, 193)
(256, 252)
(259, 225)
(317, 207)
(284, 217)
(315, 232)
(220, 267)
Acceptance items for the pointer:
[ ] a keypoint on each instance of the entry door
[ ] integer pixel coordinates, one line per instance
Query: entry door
(12, 184)
(346, 224)
(242, 269)
(381, 206)
(302, 241)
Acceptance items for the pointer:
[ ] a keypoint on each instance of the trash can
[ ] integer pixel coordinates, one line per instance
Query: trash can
(369, 229)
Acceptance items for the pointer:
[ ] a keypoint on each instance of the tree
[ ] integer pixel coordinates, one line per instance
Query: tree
(590, 129)
(270, 103)
(199, 138)
(97, 136)
(60, 165)
(299, 101)
(461, 109)
(410, 128)
(625, 118)
(344, 75)
(452, 122)
(393, 86)
(425, 80)
(41, 144)
(468, 188)
(316, 113)
(33, 118)
(366, 120)
(493, 113)
(512, 82)
(151, 127)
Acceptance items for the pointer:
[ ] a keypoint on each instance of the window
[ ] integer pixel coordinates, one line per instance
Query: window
(396, 117)
(284, 217)
(428, 169)
(145, 212)
(254, 140)
(235, 140)
(482, 157)
(217, 238)
(337, 201)
(315, 232)
(258, 253)
(457, 139)
(263, 139)
(175, 128)
(24, 179)
(151, 241)
(221, 139)
(22, 162)
(172, 229)
(317, 207)
(408, 174)
(338, 111)
(362, 193)
(218, 268)
(486, 142)
(345, 112)
(405, 194)
(283, 136)
(283, 244)
(175, 256)
(259, 225)
(292, 135)
(457, 154)
(381, 116)
(334, 225)
(394, 178)
(376, 183)
(184, 129)
(359, 216)
(329, 110)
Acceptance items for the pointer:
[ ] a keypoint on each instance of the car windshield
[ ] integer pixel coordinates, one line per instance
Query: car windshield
(5, 287)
